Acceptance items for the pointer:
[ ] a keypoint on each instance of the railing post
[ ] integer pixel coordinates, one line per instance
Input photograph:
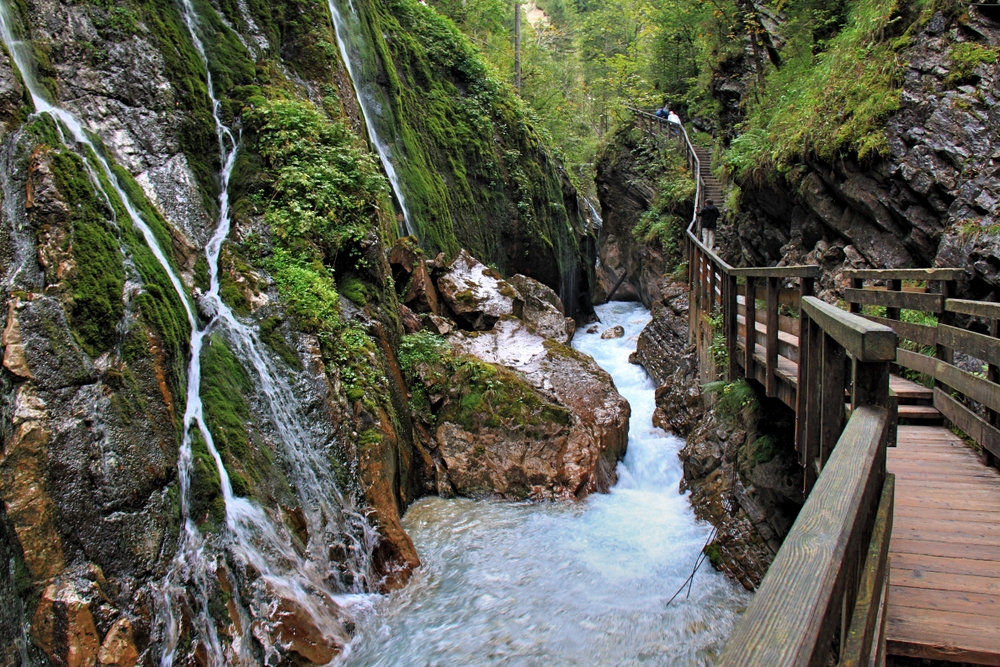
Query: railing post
(993, 375)
(801, 394)
(750, 317)
(711, 288)
(732, 326)
(857, 283)
(771, 347)
(833, 385)
(946, 354)
(893, 286)
(810, 452)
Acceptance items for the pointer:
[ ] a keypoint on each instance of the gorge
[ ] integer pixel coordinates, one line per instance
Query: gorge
(308, 357)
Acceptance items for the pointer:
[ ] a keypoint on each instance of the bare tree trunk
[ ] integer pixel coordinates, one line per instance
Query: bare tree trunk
(517, 46)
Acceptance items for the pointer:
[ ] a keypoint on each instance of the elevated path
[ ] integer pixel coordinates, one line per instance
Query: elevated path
(897, 548)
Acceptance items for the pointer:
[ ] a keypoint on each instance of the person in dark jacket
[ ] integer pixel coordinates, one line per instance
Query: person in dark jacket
(709, 218)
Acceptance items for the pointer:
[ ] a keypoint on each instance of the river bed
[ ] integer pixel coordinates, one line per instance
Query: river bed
(562, 583)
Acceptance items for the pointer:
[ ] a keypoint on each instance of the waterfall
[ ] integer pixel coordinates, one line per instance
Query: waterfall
(311, 581)
(354, 51)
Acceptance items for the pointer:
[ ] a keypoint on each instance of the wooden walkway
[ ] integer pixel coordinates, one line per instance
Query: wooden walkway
(944, 582)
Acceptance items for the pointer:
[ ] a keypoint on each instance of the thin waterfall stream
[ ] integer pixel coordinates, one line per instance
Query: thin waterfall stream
(563, 583)
(310, 580)
(355, 52)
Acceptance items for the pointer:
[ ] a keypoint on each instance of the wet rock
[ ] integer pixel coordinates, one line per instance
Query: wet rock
(64, 626)
(665, 339)
(11, 91)
(119, 648)
(613, 332)
(411, 323)
(477, 295)
(14, 359)
(598, 431)
(296, 630)
(436, 324)
(592, 329)
(542, 309)
(679, 405)
(421, 295)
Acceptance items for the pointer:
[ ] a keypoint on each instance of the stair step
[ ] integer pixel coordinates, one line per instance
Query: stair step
(918, 412)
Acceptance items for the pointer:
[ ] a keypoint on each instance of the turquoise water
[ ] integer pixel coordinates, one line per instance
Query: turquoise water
(562, 583)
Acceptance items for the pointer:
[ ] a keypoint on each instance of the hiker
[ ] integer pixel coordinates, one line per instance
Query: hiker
(663, 113)
(709, 216)
(675, 123)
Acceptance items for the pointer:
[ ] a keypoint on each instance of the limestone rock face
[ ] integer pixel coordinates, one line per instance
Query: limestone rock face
(477, 295)
(543, 309)
(665, 339)
(598, 433)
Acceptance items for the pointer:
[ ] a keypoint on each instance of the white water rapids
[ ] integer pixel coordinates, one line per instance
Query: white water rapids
(562, 583)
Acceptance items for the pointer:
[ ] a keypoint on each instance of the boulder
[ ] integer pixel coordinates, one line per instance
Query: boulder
(542, 309)
(614, 332)
(597, 434)
(477, 294)
(421, 295)
(436, 324)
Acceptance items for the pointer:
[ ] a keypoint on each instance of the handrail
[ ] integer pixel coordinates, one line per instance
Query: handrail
(811, 588)
(864, 340)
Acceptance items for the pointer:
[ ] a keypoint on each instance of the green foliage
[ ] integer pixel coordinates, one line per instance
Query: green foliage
(354, 290)
(718, 349)
(832, 92)
(270, 333)
(761, 450)
(714, 554)
(666, 220)
(736, 403)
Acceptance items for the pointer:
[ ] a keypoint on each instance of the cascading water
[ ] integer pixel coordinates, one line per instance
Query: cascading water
(355, 52)
(310, 580)
(559, 583)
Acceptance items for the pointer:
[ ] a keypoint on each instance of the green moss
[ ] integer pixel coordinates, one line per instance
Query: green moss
(714, 554)
(354, 290)
(97, 284)
(270, 333)
(205, 502)
(964, 58)
(479, 394)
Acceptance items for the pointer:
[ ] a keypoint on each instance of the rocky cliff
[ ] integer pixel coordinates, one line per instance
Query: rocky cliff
(929, 200)
(182, 176)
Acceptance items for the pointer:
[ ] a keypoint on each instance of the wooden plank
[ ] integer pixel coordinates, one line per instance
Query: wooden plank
(792, 618)
(918, 333)
(927, 598)
(945, 581)
(925, 303)
(975, 427)
(974, 344)
(809, 271)
(932, 534)
(946, 565)
(832, 390)
(905, 274)
(786, 296)
(751, 332)
(975, 387)
(988, 309)
(870, 383)
(862, 635)
(908, 389)
(952, 549)
(894, 286)
(934, 635)
(731, 325)
(771, 338)
(918, 412)
(805, 289)
(814, 402)
(864, 340)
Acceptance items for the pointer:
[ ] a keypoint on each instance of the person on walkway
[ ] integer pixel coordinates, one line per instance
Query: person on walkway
(663, 113)
(675, 123)
(709, 217)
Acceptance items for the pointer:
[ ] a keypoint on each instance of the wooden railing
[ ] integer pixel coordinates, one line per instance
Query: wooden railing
(969, 400)
(823, 598)
(660, 128)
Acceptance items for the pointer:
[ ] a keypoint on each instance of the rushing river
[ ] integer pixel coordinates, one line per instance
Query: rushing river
(562, 583)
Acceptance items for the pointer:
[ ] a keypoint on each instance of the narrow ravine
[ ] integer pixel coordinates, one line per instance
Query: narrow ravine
(563, 583)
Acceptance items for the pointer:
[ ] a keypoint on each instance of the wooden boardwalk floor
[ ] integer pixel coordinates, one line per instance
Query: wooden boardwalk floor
(944, 595)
